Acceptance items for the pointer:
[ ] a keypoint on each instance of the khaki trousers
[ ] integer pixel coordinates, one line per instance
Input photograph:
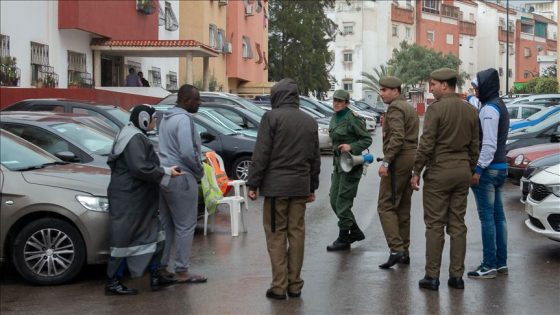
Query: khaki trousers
(395, 219)
(445, 202)
(286, 244)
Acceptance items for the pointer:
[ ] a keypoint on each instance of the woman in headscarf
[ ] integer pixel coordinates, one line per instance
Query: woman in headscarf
(137, 239)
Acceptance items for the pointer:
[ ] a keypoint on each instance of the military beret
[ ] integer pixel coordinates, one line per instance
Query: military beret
(341, 95)
(390, 82)
(444, 74)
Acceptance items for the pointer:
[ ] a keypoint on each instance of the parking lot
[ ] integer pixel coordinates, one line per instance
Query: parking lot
(335, 283)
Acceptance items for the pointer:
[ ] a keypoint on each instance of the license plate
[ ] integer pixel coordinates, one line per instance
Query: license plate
(529, 208)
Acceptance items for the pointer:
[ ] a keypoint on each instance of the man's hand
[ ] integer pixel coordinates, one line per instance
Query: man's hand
(176, 171)
(475, 179)
(383, 171)
(311, 197)
(415, 182)
(252, 194)
(344, 147)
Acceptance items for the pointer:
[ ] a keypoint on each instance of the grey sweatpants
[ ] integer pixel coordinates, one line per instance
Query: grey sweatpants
(178, 206)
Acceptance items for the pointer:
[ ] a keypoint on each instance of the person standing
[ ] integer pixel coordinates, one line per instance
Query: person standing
(179, 144)
(448, 149)
(349, 134)
(490, 175)
(285, 169)
(136, 237)
(132, 79)
(144, 82)
(400, 139)
(471, 97)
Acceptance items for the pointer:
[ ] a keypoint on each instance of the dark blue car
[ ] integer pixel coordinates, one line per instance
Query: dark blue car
(535, 118)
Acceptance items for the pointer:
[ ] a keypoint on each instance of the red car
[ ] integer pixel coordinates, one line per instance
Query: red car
(518, 159)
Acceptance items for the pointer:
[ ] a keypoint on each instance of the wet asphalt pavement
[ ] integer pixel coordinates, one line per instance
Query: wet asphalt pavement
(238, 270)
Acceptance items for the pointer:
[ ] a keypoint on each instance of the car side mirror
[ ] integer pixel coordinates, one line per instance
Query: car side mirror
(207, 137)
(67, 156)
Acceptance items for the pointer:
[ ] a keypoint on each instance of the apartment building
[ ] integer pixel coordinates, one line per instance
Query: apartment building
(88, 43)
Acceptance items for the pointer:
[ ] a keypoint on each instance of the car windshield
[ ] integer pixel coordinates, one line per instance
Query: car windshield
(541, 113)
(17, 154)
(219, 118)
(169, 100)
(553, 119)
(216, 126)
(91, 139)
(251, 114)
(361, 106)
(249, 105)
(122, 115)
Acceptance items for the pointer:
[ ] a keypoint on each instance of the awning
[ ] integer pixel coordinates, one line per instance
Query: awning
(153, 48)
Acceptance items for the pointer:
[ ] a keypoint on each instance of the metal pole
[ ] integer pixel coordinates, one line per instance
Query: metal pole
(507, 47)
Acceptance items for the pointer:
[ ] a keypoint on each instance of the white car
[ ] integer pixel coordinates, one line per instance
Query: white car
(521, 111)
(543, 203)
(535, 97)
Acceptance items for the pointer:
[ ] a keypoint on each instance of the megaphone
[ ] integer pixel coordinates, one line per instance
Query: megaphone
(348, 161)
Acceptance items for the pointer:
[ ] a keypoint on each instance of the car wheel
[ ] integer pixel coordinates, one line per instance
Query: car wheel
(241, 167)
(48, 251)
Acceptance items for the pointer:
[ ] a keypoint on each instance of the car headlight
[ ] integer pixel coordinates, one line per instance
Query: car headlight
(518, 160)
(94, 203)
(324, 130)
(369, 119)
(555, 189)
(509, 141)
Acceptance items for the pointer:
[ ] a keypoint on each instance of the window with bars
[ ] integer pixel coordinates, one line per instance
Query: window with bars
(348, 28)
(171, 79)
(4, 45)
(247, 51)
(76, 69)
(39, 59)
(154, 76)
(347, 85)
(395, 30)
(171, 23)
(348, 57)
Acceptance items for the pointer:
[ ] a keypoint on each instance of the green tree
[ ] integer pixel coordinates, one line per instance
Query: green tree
(540, 85)
(417, 62)
(370, 81)
(550, 71)
(299, 32)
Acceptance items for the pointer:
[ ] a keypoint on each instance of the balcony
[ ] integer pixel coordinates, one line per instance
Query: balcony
(430, 10)
(467, 28)
(402, 15)
(450, 11)
(47, 78)
(551, 44)
(9, 73)
(503, 36)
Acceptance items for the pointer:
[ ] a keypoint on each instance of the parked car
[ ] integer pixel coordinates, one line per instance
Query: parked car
(519, 158)
(533, 168)
(521, 111)
(306, 102)
(217, 117)
(220, 98)
(54, 216)
(542, 203)
(548, 131)
(114, 116)
(60, 135)
(361, 105)
(238, 114)
(536, 97)
(535, 118)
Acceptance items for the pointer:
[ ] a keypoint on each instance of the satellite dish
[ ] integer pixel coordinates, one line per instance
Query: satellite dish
(531, 9)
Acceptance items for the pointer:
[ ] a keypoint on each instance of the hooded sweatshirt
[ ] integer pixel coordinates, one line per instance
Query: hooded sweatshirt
(286, 160)
(494, 122)
(179, 143)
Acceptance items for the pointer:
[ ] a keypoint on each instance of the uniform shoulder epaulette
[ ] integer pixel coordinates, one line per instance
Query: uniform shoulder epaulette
(355, 114)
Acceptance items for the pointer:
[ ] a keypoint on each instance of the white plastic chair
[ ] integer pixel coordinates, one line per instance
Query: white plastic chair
(234, 204)
(237, 184)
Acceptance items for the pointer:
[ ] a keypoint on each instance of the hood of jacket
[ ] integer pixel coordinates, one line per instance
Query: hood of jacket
(176, 110)
(285, 93)
(488, 85)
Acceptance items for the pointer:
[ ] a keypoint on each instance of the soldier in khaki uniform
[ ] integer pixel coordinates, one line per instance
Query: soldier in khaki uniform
(448, 148)
(348, 133)
(400, 139)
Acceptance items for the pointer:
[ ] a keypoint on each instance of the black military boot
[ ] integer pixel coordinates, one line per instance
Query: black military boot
(394, 258)
(456, 282)
(356, 234)
(405, 260)
(159, 281)
(429, 283)
(115, 287)
(341, 243)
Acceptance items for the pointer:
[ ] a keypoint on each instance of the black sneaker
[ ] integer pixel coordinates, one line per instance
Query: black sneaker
(503, 270)
(483, 273)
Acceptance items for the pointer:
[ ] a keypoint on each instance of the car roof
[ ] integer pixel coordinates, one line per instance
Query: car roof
(62, 101)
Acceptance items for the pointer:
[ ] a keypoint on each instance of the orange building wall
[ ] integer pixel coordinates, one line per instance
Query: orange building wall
(239, 25)
(440, 36)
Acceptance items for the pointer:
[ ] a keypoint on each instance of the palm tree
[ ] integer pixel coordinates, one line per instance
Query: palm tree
(370, 81)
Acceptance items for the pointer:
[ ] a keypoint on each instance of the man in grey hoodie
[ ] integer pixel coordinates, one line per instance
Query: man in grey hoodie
(179, 144)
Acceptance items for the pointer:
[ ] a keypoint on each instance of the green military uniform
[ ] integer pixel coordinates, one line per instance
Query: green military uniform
(448, 148)
(400, 138)
(346, 128)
